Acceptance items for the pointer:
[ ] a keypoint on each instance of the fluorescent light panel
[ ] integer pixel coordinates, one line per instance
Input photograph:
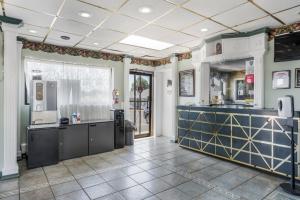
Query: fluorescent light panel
(140, 41)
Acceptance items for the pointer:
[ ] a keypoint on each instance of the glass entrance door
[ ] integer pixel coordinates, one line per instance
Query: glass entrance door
(140, 102)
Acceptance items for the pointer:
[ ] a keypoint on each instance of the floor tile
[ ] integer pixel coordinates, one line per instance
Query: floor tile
(156, 186)
(40, 194)
(122, 183)
(173, 194)
(65, 188)
(152, 198)
(212, 195)
(114, 196)
(90, 181)
(99, 190)
(131, 170)
(192, 189)
(174, 179)
(147, 165)
(58, 174)
(135, 193)
(77, 195)
(112, 174)
(9, 187)
(14, 197)
(142, 177)
(159, 171)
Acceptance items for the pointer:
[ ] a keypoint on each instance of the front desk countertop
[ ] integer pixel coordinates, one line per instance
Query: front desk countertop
(57, 125)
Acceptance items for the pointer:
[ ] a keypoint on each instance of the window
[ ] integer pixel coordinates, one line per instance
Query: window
(80, 88)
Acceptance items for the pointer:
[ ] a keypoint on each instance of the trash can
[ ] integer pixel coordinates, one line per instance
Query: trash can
(129, 128)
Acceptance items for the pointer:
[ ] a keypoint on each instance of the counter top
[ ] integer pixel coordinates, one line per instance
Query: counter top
(233, 109)
(39, 126)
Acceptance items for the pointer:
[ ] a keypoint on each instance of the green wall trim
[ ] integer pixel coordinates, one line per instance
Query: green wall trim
(2, 178)
(237, 35)
(10, 20)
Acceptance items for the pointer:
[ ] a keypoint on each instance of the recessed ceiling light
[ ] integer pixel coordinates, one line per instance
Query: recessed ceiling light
(84, 14)
(204, 29)
(32, 31)
(140, 41)
(96, 43)
(145, 9)
(64, 37)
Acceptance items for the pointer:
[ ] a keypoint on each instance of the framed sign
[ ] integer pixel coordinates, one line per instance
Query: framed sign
(281, 79)
(187, 83)
(297, 78)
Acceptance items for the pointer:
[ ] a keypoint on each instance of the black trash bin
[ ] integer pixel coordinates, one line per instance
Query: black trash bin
(129, 128)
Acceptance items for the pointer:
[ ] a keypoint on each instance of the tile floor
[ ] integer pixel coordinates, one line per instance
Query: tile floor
(152, 169)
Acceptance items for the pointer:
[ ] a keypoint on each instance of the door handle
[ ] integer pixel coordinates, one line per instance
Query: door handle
(92, 124)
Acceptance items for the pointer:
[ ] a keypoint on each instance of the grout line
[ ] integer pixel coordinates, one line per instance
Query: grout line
(48, 183)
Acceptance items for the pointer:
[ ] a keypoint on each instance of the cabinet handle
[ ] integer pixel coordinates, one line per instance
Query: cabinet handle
(92, 124)
(92, 139)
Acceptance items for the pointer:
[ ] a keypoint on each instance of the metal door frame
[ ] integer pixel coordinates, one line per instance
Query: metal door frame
(150, 75)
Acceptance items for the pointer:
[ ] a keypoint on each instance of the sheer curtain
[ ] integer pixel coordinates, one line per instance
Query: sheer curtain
(82, 89)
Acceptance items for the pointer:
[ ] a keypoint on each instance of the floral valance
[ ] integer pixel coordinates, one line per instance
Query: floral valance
(50, 48)
(184, 56)
(283, 30)
(153, 63)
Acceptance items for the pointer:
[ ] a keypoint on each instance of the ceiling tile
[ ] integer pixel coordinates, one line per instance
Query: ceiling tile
(260, 23)
(73, 27)
(154, 32)
(178, 19)
(178, 1)
(82, 46)
(273, 6)
(54, 38)
(29, 17)
(177, 38)
(96, 43)
(131, 8)
(211, 27)
(240, 14)
(45, 6)
(289, 16)
(27, 29)
(227, 31)
(122, 23)
(109, 4)
(107, 36)
(72, 8)
(122, 47)
(32, 38)
(111, 51)
(193, 43)
(139, 52)
(210, 8)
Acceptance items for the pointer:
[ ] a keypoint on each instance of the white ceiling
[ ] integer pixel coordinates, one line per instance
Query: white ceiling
(173, 21)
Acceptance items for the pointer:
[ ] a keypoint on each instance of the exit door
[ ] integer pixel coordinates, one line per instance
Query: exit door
(140, 85)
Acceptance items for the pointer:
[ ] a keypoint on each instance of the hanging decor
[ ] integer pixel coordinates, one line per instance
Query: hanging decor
(283, 30)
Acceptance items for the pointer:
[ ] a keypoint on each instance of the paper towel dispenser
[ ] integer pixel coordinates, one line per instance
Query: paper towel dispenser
(286, 106)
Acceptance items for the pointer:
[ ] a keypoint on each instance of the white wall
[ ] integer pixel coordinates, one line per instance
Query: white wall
(1, 101)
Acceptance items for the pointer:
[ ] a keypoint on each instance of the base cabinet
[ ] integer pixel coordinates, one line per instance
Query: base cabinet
(42, 147)
(73, 141)
(101, 137)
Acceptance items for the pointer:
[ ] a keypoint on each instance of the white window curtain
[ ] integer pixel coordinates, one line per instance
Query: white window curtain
(82, 89)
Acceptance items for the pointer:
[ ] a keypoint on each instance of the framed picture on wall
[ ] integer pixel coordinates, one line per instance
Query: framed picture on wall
(297, 78)
(281, 79)
(187, 83)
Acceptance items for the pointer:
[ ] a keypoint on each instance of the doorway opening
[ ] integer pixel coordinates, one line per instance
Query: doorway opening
(140, 84)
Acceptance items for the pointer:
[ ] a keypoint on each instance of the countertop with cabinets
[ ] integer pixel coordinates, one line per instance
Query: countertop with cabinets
(51, 143)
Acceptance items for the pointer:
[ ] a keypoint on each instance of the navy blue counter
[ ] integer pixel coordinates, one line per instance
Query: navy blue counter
(246, 135)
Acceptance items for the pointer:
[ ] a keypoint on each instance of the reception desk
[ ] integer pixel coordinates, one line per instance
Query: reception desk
(249, 136)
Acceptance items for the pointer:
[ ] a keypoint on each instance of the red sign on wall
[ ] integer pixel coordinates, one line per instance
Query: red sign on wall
(249, 78)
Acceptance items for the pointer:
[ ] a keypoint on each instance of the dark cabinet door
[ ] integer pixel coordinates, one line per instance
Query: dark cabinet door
(42, 147)
(73, 141)
(101, 137)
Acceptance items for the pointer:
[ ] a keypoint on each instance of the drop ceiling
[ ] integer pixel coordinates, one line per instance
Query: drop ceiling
(184, 23)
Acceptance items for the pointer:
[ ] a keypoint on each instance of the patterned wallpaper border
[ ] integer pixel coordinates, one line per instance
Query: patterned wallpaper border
(50, 48)
(283, 30)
